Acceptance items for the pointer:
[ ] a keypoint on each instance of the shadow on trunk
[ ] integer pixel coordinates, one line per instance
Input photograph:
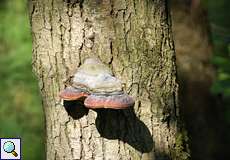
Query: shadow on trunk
(125, 126)
(75, 109)
(116, 124)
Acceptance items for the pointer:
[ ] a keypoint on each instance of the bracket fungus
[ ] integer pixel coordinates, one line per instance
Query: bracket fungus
(95, 84)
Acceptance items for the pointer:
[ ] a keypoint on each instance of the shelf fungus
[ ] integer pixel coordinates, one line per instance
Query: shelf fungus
(95, 84)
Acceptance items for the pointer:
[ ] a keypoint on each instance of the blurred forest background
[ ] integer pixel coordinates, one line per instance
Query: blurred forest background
(21, 109)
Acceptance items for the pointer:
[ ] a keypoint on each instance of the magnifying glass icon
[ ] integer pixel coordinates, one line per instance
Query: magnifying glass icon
(9, 147)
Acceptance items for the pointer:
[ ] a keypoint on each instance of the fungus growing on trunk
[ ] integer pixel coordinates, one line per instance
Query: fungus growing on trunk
(95, 81)
(71, 93)
(119, 101)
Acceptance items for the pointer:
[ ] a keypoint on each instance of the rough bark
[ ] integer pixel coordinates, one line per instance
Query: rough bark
(134, 38)
(196, 74)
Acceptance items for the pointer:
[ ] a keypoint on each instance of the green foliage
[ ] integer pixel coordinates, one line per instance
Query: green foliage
(220, 25)
(218, 11)
(221, 38)
(222, 83)
(20, 108)
(221, 86)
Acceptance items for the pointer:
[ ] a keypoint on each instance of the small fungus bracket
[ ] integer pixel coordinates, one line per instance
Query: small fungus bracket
(95, 84)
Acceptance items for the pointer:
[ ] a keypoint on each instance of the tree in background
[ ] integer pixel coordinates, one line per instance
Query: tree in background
(134, 38)
(196, 74)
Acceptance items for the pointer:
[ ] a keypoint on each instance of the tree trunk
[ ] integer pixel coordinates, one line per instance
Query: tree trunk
(196, 74)
(134, 39)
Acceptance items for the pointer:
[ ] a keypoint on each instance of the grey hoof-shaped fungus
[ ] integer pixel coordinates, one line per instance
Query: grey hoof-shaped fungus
(95, 83)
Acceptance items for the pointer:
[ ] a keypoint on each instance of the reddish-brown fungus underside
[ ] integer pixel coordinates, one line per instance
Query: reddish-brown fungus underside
(70, 94)
(121, 101)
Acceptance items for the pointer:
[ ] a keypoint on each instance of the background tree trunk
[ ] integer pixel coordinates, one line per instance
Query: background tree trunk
(196, 74)
(134, 39)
